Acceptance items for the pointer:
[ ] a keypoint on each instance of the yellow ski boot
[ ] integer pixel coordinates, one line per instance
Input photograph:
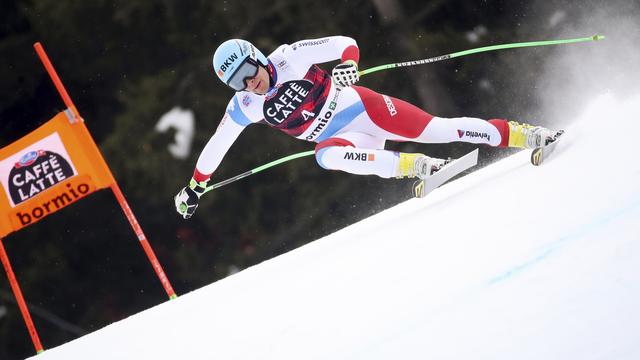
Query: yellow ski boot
(418, 165)
(529, 137)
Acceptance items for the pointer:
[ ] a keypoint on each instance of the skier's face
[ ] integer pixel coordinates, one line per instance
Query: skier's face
(259, 84)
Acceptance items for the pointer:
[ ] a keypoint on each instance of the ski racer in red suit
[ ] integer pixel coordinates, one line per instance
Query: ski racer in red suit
(289, 92)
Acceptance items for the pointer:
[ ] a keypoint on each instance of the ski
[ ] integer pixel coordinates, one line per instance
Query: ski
(423, 187)
(538, 155)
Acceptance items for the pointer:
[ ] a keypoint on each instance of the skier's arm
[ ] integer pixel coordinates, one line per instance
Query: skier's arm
(231, 125)
(317, 51)
(217, 147)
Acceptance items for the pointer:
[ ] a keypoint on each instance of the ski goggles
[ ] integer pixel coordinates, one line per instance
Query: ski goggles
(247, 70)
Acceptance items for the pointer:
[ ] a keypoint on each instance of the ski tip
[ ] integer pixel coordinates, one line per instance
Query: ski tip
(538, 154)
(536, 157)
(418, 189)
(598, 37)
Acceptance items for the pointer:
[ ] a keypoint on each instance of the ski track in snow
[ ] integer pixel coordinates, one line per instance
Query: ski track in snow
(629, 210)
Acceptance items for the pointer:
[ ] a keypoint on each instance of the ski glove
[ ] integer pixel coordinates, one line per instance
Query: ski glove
(345, 74)
(187, 199)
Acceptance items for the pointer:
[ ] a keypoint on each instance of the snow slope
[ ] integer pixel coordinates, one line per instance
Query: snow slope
(509, 262)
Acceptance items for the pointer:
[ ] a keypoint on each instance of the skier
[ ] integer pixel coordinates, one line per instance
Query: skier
(350, 124)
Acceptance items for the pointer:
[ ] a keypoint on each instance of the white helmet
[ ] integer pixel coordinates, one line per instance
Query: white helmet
(236, 60)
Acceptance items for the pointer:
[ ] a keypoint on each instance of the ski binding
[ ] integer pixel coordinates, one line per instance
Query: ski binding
(538, 155)
(423, 187)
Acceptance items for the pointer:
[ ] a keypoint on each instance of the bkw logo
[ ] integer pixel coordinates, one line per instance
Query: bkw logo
(359, 156)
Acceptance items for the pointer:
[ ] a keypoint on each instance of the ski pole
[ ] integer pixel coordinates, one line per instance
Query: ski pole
(258, 169)
(479, 50)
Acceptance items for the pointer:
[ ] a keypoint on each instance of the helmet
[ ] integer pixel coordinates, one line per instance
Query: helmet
(235, 60)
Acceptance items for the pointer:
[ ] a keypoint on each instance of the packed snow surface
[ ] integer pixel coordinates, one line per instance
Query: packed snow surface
(509, 262)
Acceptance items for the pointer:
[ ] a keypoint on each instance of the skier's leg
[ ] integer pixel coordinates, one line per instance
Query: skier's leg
(406, 122)
(495, 132)
(363, 154)
(356, 153)
(399, 118)
(466, 129)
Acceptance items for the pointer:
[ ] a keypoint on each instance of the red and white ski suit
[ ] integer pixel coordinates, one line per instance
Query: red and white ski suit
(344, 122)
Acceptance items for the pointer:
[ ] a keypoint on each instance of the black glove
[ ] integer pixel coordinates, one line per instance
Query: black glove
(187, 199)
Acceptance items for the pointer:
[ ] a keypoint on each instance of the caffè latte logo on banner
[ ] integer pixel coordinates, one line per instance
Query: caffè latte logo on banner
(36, 168)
